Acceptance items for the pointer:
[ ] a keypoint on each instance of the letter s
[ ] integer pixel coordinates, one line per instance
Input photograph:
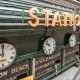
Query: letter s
(33, 16)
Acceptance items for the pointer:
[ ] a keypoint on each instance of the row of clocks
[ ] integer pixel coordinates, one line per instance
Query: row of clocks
(8, 51)
(49, 43)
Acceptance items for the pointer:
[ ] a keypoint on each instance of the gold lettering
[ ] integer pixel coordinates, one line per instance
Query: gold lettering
(12, 71)
(46, 17)
(70, 53)
(47, 58)
(70, 20)
(3, 74)
(78, 22)
(50, 58)
(33, 16)
(44, 65)
(12, 78)
(56, 19)
(40, 61)
(43, 59)
(65, 19)
(36, 63)
(66, 54)
(17, 69)
(76, 50)
(21, 67)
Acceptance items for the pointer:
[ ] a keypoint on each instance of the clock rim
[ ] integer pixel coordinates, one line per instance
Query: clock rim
(14, 58)
(43, 44)
(69, 40)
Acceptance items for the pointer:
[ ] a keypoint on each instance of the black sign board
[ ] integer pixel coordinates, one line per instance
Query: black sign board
(15, 70)
(45, 63)
(71, 53)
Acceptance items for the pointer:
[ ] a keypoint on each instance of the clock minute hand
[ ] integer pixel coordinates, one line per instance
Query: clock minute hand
(2, 46)
(48, 44)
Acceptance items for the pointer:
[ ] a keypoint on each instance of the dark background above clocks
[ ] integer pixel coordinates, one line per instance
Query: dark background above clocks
(26, 40)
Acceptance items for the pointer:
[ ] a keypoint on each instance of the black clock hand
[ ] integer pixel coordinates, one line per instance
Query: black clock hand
(48, 44)
(2, 46)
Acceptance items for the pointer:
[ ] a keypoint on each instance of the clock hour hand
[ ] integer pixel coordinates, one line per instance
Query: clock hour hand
(47, 43)
(71, 40)
(2, 46)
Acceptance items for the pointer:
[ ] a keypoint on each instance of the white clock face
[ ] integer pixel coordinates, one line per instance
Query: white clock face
(49, 46)
(7, 55)
(72, 40)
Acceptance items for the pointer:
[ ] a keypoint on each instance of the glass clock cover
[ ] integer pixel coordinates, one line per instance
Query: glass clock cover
(72, 40)
(49, 46)
(7, 55)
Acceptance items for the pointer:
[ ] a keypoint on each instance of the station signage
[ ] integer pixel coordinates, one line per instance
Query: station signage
(44, 63)
(15, 71)
(56, 19)
(71, 53)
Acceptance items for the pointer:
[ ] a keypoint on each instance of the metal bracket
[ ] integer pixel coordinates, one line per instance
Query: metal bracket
(56, 69)
(78, 58)
(74, 21)
(49, 31)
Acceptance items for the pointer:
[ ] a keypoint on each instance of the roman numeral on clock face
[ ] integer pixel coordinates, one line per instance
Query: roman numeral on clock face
(12, 57)
(2, 64)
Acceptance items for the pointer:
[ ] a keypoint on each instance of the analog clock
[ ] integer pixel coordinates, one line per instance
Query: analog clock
(49, 46)
(7, 55)
(72, 40)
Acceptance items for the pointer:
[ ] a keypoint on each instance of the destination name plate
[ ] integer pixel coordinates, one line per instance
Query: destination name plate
(15, 70)
(45, 63)
(71, 53)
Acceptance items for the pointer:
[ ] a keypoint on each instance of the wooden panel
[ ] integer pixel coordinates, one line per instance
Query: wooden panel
(45, 63)
(71, 53)
(15, 70)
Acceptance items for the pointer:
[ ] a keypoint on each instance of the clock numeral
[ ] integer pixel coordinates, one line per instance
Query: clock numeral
(49, 38)
(2, 64)
(44, 47)
(71, 40)
(46, 51)
(74, 41)
(8, 46)
(53, 47)
(8, 61)
(13, 52)
(11, 48)
(46, 42)
(54, 44)
(11, 57)
(49, 51)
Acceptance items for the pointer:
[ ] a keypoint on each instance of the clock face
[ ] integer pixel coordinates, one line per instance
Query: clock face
(72, 40)
(7, 55)
(49, 46)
